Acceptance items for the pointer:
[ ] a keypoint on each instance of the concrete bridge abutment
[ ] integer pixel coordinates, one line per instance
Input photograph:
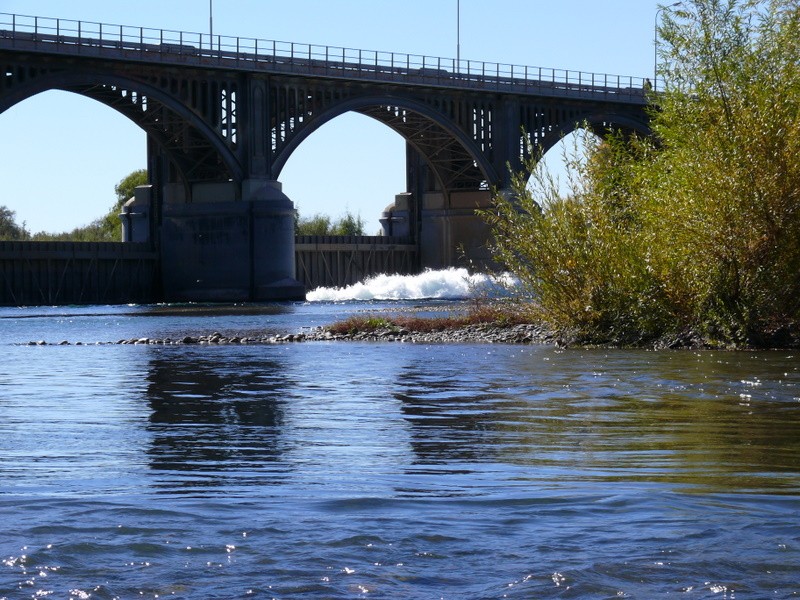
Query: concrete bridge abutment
(229, 244)
(450, 231)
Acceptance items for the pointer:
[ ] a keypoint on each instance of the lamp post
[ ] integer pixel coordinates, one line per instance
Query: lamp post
(458, 35)
(655, 41)
(211, 24)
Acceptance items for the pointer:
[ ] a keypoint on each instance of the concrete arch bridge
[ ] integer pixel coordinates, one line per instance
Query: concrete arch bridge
(224, 114)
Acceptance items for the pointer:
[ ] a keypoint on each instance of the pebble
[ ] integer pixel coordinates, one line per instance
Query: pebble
(517, 334)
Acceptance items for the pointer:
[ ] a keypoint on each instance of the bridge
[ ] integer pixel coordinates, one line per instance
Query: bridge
(224, 114)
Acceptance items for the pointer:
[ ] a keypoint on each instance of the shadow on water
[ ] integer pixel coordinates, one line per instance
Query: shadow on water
(216, 310)
(701, 422)
(216, 420)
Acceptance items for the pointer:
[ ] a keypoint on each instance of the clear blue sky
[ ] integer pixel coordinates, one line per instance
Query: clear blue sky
(63, 154)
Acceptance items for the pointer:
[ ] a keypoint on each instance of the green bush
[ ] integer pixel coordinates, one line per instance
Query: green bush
(698, 229)
(319, 224)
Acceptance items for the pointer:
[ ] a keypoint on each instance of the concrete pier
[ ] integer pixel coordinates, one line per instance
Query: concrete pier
(229, 250)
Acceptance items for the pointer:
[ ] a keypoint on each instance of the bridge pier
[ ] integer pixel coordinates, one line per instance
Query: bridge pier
(451, 233)
(218, 248)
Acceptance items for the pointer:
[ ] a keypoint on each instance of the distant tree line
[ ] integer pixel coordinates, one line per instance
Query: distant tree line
(108, 228)
(320, 224)
(9, 228)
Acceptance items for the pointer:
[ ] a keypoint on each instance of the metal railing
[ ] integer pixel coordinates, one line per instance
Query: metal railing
(126, 42)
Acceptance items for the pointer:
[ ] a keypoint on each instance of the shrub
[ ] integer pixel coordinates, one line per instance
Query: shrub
(700, 230)
(319, 224)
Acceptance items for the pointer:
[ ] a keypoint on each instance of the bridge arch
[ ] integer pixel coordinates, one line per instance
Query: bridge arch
(179, 132)
(447, 149)
(602, 124)
(51, 159)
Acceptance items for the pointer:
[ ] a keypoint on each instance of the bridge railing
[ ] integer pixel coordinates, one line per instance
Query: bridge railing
(162, 45)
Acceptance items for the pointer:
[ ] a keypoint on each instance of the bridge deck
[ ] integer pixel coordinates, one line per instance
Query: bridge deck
(122, 42)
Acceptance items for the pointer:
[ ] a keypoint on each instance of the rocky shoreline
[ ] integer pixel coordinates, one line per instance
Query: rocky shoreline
(479, 333)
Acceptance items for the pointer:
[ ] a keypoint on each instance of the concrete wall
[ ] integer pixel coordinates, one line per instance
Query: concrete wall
(222, 249)
(451, 233)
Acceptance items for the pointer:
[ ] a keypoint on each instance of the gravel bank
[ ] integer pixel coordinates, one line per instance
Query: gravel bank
(487, 334)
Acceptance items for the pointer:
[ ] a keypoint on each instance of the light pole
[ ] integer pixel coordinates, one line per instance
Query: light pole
(458, 35)
(655, 41)
(211, 24)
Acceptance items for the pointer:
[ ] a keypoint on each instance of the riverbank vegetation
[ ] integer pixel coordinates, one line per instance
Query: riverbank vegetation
(695, 232)
(498, 315)
(108, 228)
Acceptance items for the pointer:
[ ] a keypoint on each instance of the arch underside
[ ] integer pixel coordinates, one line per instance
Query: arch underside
(454, 166)
(461, 136)
(452, 136)
(199, 145)
(193, 156)
(543, 127)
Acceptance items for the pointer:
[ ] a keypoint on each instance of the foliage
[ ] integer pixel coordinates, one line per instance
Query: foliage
(9, 228)
(699, 231)
(315, 225)
(349, 225)
(107, 228)
(319, 224)
(125, 188)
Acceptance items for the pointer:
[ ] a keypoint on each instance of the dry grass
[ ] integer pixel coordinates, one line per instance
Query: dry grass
(505, 315)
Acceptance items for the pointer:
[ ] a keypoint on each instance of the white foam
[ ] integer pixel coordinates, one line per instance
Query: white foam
(450, 284)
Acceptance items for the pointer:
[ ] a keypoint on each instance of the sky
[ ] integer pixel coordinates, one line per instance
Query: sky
(63, 154)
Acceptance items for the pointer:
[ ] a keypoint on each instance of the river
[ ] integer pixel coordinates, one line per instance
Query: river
(385, 470)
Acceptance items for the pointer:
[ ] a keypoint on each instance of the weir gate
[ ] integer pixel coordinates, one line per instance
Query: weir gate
(223, 115)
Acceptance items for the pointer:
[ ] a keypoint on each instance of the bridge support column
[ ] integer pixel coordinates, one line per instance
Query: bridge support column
(272, 242)
(451, 233)
(220, 249)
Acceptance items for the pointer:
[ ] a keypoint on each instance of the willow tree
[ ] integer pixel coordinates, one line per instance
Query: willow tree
(697, 229)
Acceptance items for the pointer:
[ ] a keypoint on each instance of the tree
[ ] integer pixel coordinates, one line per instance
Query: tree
(125, 188)
(107, 228)
(315, 225)
(696, 231)
(319, 224)
(9, 228)
(349, 225)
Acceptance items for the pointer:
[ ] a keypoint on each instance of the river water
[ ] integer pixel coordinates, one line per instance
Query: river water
(386, 470)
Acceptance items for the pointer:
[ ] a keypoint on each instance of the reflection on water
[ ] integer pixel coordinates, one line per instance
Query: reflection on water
(215, 310)
(210, 417)
(328, 470)
(688, 419)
